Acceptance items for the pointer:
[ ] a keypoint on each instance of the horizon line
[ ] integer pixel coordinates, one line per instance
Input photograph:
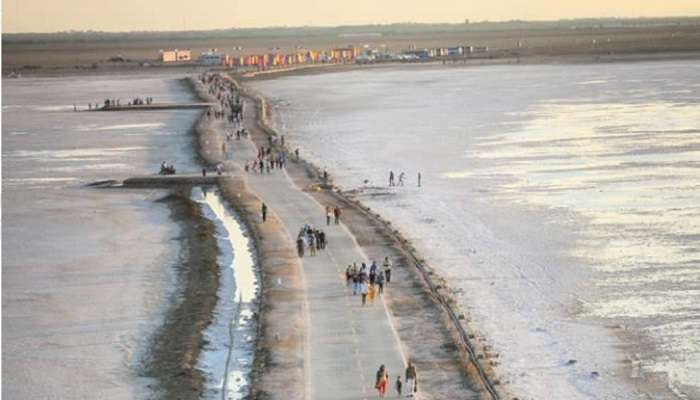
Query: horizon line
(495, 21)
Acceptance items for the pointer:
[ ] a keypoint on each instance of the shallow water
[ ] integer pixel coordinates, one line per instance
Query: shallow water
(228, 357)
(85, 272)
(559, 200)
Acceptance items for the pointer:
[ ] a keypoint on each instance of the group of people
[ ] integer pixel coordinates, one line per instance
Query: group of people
(266, 161)
(138, 101)
(410, 381)
(368, 282)
(238, 134)
(311, 239)
(333, 213)
(166, 169)
(227, 95)
(402, 176)
(114, 103)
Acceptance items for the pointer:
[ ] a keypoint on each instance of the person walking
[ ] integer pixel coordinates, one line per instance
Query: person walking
(355, 281)
(401, 175)
(387, 270)
(411, 380)
(380, 282)
(322, 239)
(312, 244)
(373, 273)
(336, 213)
(371, 293)
(382, 381)
(329, 214)
(300, 246)
(419, 178)
(398, 386)
(364, 289)
(264, 212)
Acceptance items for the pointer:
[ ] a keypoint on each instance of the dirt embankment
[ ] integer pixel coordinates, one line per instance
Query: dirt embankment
(209, 143)
(278, 371)
(177, 344)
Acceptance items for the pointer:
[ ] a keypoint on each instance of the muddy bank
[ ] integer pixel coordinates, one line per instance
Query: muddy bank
(208, 143)
(177, 344)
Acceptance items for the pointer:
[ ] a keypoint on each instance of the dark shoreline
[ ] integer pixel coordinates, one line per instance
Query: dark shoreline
(176, 345)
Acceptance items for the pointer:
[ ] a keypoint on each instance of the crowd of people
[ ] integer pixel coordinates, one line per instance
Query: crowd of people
(227, 95)
(368, 282)
(266, 161)
(310, 239)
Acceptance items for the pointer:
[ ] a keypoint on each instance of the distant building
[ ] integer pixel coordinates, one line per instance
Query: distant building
(175, 55)
(418, 54)
(344, 54)
(211, 58)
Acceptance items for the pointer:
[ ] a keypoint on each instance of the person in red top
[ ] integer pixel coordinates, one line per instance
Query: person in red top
(336, 213)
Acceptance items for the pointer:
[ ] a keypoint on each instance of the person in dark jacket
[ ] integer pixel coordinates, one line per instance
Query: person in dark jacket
(411, 379)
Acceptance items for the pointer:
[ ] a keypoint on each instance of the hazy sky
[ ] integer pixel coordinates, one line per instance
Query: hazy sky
(126, 15)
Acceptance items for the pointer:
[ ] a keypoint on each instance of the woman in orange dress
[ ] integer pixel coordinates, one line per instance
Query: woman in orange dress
(382, 381)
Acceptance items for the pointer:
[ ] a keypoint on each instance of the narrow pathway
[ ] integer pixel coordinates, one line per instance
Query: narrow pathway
(347, 342)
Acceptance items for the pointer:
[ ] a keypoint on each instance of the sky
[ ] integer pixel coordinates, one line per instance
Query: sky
(130, 15)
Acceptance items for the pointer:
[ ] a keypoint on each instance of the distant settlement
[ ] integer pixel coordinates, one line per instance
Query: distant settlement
(341, 55)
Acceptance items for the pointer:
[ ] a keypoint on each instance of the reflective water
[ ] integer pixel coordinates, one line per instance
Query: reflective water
(229, 354)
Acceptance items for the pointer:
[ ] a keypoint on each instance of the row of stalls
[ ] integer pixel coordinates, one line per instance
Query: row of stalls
(268, 60)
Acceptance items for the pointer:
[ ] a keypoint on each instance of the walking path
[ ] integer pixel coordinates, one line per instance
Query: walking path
(347, 342)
